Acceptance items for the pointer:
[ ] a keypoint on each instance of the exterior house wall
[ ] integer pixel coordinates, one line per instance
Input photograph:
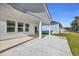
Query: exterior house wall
(6, 35)
(8, 13)
(29, 16)
(2, 27)
(54, 29)
(31, 29)
(57, 29)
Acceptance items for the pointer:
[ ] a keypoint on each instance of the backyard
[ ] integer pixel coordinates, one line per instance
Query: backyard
(73, 40)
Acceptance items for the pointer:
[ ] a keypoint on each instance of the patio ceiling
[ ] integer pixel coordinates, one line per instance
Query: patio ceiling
(35, 9)
(32, 7)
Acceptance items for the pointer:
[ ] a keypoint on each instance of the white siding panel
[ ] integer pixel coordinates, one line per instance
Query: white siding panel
(2, 27)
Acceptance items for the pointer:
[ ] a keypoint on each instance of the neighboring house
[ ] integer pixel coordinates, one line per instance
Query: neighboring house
(55, 28)
(21, 19)
(75, 24)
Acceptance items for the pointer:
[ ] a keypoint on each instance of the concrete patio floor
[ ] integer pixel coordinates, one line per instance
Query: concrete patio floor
(47, 46)
(7, 44)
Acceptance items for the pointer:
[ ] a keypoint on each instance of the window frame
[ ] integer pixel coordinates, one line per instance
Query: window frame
(20, 26)
(9, 26)
(26, 27)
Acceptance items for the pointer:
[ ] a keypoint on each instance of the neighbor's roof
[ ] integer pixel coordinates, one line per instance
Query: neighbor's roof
(55, 22)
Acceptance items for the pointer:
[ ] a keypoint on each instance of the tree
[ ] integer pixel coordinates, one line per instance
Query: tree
(75, 24)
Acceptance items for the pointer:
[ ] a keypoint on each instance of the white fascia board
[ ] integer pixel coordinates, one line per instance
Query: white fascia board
(47, 12)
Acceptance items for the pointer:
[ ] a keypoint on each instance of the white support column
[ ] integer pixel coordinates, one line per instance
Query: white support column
(49, 30)
(24, 27)
(40, 30)
(16, 27)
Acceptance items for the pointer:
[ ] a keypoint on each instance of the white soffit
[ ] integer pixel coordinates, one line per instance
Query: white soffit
(9, 13)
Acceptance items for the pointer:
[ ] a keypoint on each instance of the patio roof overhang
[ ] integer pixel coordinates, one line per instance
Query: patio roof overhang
(37, 10)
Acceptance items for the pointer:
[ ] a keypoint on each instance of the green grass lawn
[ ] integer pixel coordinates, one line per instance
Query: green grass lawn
(73, 40)
(63, 34)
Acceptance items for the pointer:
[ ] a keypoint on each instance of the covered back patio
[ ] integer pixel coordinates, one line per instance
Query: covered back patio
(37, 15)
(39, 12)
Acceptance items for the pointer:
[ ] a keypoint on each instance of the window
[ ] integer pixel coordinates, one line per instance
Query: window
(26, 27)
(10, 26)
(20, 27)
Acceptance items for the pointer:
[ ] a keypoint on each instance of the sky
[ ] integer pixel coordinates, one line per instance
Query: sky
(63, 12)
